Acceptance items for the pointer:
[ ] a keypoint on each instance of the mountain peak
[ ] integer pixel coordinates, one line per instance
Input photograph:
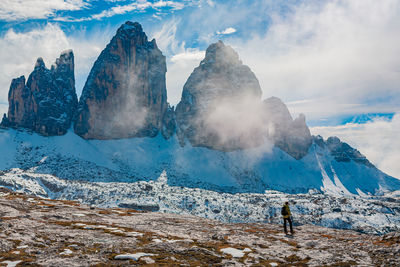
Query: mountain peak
(125, 93)
(220, 54)
(47, 101)
(131, 26)
(39, 63)
(130, 30)
(65, 63)
(65, 56)
(219, 87)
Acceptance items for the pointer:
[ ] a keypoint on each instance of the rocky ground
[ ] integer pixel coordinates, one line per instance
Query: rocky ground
(36, 231)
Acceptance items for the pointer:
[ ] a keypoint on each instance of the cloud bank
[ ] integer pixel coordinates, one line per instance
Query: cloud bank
(11, 10)
(377, 140)
(330, 57)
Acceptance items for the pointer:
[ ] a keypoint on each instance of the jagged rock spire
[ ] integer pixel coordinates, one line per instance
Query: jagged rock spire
(125, 94)
(221, 108)
(47, 101)
(214, 90)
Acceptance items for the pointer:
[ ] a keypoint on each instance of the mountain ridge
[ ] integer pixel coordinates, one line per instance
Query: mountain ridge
(237, 142)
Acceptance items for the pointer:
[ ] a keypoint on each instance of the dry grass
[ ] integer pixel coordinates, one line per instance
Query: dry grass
(26, 258)
(265, 263)
(297, 260)
(342, 264)
(105, 212)
(289, 242)
(9, 218)
(327, 236)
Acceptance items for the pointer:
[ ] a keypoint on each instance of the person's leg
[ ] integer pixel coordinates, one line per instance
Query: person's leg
(284, 225)
(290, 224)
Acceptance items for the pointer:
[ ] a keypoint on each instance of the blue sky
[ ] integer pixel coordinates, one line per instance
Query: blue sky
(335, 61)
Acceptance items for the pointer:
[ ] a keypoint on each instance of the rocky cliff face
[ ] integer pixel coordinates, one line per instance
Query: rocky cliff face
(292, 136)
(125, 94)
(221, 108)
(213, 99)
(47, 101)
(341, 151)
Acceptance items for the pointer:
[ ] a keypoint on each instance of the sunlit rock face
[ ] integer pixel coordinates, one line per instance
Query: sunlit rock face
(217, 102)
(46, 103)
(125, 94)
(221, 108)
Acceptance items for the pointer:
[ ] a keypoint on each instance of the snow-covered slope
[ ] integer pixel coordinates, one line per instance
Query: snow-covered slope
(127, 160)
(159, 175)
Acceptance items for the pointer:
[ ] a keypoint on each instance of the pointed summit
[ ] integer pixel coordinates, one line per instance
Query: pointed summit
(125, 94)
(221, 108)
(218, 88)
(47, 102)
(130, 28)
(132, 31)
(219, 54)
(39, 63)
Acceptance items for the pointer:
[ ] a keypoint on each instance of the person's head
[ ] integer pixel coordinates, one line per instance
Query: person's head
(286, 203)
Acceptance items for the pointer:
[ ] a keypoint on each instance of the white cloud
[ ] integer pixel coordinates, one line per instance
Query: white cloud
(228, 30)
(180, 60)
(340, 56)
(166, 38)
(3, 109)
(20, 51)
(137, 6)
(11, 10)
(378, 140)
(188, 55)
(180, 66)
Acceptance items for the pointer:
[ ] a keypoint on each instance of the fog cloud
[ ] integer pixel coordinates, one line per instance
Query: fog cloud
(237, 119)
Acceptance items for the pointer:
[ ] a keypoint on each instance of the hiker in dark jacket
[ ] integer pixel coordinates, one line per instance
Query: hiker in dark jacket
(287, 217)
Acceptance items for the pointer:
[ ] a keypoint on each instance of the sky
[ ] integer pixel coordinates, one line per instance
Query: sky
(337, 62)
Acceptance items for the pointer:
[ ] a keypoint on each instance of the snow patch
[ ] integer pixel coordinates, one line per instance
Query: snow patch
(66, 252)
(236, 253)
(134, 257)
(11, 263)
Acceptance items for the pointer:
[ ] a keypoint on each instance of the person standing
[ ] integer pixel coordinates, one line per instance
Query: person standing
(287, 217)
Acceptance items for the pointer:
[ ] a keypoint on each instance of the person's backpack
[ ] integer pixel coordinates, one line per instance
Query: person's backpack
(284, 211)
